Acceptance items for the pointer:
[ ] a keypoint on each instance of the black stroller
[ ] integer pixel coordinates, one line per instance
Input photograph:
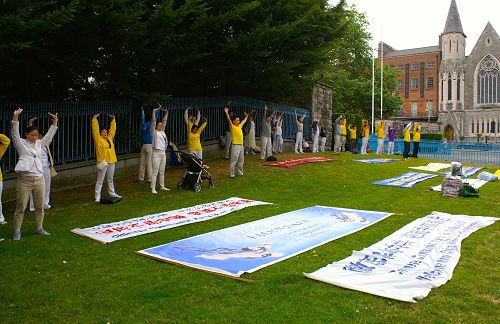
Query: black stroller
(195, 172)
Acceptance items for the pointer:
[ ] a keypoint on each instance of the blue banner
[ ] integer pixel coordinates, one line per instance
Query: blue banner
(377, 161)
(406, 180)
(466, 171)
(249, 247)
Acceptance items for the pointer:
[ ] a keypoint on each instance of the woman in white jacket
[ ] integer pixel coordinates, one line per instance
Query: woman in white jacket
(160, 145)
(29, 168)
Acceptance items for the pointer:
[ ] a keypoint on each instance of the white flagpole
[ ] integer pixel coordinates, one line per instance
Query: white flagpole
(382, 72)
(373, 89)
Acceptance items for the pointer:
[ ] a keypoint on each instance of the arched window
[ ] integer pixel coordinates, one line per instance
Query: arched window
(449, 86)
(488, 85)
(450, 45)
(472, 127)
(458, 88)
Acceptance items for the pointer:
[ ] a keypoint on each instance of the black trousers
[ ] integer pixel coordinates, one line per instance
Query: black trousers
(415, 149)
(406, 149)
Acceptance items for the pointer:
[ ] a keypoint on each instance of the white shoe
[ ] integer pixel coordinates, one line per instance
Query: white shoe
(164, 188)
(154, 191)
(47, 207)
(32, 209)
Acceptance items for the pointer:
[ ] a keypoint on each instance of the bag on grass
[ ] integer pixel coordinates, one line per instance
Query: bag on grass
(469, 191)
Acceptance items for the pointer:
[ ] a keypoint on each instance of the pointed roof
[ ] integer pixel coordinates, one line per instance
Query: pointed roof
(453, 23)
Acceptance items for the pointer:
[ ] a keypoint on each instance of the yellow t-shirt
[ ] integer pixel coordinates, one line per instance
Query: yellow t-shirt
(237, 134)
(380, 130)
(416, 134)
(194, 143)
(104, 147)
(406, 135)
(4, 143)
(352, 132)
(365, 132)
(343, 130)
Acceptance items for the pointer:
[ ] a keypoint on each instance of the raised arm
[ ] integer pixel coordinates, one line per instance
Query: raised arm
(244, 120)
(228, 119)
(264, 115)
(202, 127)
(408, 127)
(112, 126)
(165, 118)
(52, 130)
(152, 127)
(95, 127)
(198, 116)
(186, 115)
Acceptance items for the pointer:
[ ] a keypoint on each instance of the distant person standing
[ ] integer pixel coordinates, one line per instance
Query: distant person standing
(365, 136)
(194, 141)
(392, 137)
(227, 147)
(315, 129)
(380, 137)
(406, 140)
(105, 156)
(337, 126)
(4, 144)
(145, 166)
(300, 133)
(29, 169)
(322, 139)
(343, 135)
(353, 136)
(265, 135)
(249, 131)
(416, 139)
(278, 139)
(160, 145)
(237, 151)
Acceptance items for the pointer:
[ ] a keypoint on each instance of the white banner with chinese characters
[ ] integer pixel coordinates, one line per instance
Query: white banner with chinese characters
(107, 233)
(409, 262)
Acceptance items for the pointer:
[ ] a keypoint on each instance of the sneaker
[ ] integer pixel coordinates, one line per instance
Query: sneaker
(98, 201)
(240, 174)
(32, 209)
(3, 222)
(16, 236)
(231, 176)
(116, 196)
(47, 207)
(154, 191)
(164, 188)
(41, 231)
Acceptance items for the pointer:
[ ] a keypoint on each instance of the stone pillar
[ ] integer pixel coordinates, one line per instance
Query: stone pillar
(322, 107)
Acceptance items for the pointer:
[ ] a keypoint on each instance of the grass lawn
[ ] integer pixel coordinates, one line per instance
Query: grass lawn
(69, 278)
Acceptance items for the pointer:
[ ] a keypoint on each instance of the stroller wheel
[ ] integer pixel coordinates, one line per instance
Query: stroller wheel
(211, 184)
(197, 187)
(180, 184)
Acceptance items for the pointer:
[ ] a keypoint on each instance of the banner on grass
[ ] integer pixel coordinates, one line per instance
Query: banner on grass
(466, 171)
(377, 161)
(107, 233)
(475, 183)
(406, 180)
(432, 167)
(294, 162)
(409, 262)
(249, 247)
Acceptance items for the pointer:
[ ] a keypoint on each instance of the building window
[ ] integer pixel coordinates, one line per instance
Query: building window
(428, 106)
(472, 128)
(414, 66)
(458, 88)
(400, 67)
(400, 85)
(430, 82)
(449, 86)
(488, 85)
(414, 109)
(442, 90)
(430, 65)
(414, 83)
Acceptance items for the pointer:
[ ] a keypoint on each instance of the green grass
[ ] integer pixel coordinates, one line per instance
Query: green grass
(69, 278)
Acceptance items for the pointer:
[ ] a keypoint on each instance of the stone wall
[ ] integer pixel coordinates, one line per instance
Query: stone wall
(322, 107)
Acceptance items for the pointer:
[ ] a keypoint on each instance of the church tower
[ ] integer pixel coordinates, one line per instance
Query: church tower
(451, 73)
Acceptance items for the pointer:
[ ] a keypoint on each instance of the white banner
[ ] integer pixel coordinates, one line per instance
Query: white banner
(409, 262)
(107, 233)
(433, 167)
(475, 183)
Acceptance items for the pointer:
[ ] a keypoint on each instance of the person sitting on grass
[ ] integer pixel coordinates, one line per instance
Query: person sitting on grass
(237, 151)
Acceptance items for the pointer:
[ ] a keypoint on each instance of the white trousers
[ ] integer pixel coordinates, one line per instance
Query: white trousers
(380, 146)
(278, 144)
(146, 162)
(159, 162)
(322, 142)
(198, 154)
(342, 142)
(265, 147)
(227, 147)
(298, 142)
(390, 148)
(337, 143)
(237, 157)
(315, 142)
(2, 219)
(364, 144)
(46, 195)
(109, 173)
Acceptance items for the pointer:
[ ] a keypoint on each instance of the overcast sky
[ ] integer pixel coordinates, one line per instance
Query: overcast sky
(405, 24)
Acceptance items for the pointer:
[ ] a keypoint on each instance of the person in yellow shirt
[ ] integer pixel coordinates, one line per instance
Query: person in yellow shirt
(105, 156)
(406, 140)
(194, 143)
(237, 151)
(416, 139)
(380, 137)
(353, 136)
(365, 135)
(343, 134)
(4, 144)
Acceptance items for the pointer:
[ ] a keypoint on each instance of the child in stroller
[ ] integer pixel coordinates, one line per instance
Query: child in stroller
(195, 172)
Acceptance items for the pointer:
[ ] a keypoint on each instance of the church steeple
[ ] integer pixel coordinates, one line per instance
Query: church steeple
(453, 23)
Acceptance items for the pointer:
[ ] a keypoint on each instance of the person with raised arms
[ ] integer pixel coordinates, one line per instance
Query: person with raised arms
(194, 142)
(160, 145)
(237, 151)
(406, 140)
(29, 169)
(300, 132)
(380, 137)
(265, 134)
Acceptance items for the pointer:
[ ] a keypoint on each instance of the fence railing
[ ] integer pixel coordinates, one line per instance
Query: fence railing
(73, 141)
(455, 151)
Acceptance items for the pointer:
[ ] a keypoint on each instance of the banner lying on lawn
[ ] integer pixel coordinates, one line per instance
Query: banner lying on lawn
(249, 247)
(409, 262)
(107, 233)
(294, 162)
(406, 180)
(432, 167)
(466, 171)
(475, 183)
(377, 161)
